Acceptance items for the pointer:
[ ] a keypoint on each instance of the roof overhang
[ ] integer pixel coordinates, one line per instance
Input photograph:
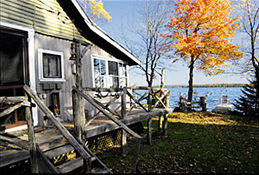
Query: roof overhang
(94, 34)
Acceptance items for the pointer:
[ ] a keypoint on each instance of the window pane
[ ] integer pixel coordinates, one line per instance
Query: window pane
(51, 66)
(96, 68)
(113, 68)
(103, 82)
(122, 70)
(103, 67)
(100, 73)
(113, 82)
(123, 82)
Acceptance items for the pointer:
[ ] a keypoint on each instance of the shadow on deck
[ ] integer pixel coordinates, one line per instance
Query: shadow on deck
(103, 124)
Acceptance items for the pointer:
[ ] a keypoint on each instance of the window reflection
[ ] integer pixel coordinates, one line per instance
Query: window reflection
(109, 74)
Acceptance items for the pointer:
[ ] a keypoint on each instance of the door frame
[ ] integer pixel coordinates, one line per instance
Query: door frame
(31, 67)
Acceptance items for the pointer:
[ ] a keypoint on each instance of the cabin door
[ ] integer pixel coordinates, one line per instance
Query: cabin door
(13, 73)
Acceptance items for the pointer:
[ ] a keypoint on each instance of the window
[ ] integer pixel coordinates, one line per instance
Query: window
(109, 74)
(51, 66)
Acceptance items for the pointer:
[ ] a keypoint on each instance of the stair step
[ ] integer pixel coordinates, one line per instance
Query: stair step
(50, 143)
(99, 171)
(58, 151)
(72, 165)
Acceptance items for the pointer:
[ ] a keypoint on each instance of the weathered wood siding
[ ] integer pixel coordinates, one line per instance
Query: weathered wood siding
(53, 32)
(59, 45)
(44, 16)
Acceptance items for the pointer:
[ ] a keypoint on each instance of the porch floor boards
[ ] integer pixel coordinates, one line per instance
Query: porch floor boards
(103, 124)
(49, 137)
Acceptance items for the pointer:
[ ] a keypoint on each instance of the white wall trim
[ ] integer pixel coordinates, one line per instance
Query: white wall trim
(40, 66)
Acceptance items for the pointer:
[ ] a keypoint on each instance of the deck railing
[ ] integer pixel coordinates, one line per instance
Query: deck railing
(118, 122)
(15, 103)
(156, 98)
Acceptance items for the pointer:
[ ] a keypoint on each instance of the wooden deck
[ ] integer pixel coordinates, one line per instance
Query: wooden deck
(47, 146)
(52, 143)
(103, 124)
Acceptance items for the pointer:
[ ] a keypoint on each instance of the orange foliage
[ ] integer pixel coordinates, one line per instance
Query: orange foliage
(202, 30)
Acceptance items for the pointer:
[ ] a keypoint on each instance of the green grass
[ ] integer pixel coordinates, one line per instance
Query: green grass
(197, 143)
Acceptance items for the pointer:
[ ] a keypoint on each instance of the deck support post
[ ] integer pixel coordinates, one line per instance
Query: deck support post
(165, 123)
(77, 115)
(123, 142)
(160, 123)
(123, 115)
(32, 142)
(149, 131)
(135, 158)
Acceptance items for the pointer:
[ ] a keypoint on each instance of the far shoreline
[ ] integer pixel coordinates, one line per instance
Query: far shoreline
(208, 85)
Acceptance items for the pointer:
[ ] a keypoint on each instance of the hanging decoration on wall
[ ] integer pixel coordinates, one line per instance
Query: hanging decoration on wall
(72, 52)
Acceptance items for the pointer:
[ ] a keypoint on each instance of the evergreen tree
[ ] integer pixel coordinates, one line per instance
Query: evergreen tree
(248, 103)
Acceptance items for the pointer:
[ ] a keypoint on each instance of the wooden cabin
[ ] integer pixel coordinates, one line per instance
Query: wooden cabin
(37, 41)
(58, 66)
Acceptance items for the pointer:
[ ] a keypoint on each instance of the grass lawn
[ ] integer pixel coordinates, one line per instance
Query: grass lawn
(197, 143)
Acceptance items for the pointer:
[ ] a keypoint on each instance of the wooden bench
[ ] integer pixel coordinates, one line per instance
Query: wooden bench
(184, 105)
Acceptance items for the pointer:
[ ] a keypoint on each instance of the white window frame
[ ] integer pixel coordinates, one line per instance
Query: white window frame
(106, 59)
(40, 66)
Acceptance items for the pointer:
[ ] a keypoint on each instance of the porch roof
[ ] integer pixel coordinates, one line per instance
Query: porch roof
(95, 34)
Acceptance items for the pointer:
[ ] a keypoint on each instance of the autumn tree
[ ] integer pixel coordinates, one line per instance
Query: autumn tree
(94, 9)
(200, 33)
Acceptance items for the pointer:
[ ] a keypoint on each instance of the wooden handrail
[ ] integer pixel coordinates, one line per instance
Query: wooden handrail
(118, 122)
(57, 123)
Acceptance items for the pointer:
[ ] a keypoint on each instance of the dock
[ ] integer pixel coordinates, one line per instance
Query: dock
(58, 148)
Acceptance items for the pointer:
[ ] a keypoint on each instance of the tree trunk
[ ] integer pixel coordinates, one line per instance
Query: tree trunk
(257, 87)
(190, 92)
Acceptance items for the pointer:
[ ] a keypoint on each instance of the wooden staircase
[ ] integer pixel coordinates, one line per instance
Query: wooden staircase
(54, 153)
(85, 159)
(63, 158)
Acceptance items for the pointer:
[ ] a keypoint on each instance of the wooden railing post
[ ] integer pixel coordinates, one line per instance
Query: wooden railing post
(118, 122)
(123, 115)
(32, 142)
(78, 101)
(150, 100)
(123, 103)
(77, 116)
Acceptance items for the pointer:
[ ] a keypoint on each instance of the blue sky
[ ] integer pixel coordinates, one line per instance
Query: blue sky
(123, 12)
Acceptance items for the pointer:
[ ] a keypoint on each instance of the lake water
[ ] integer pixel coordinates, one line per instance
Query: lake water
(213, 95)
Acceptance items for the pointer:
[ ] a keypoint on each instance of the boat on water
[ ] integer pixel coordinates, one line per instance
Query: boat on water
(223, 107)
